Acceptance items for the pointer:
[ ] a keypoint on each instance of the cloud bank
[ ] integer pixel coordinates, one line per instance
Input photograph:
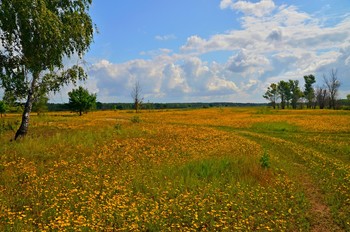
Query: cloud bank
(273, 43)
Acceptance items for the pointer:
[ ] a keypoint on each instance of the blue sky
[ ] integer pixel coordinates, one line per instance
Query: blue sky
(214, 50)
(131, 27)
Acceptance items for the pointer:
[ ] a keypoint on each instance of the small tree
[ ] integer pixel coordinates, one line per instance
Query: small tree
(333, 85)
(295, 92)
(80, 100)
(284, 92)
(3, 108)
(136, 96)
(272, 94)
(309, 92)
(321, 97)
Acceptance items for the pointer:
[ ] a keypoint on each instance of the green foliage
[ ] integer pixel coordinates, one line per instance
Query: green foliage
(295, 92)
(283, 89)
(206, 170)
(309, 91)
(265, 110)
(36, 35)
(3, 108)
(272, 94)
(135, 119)
(80, 100)
(265, 160)
(40, 105)
(9, 98)
(269, 127)
(8, 125)
(289, 92)
(118, 128)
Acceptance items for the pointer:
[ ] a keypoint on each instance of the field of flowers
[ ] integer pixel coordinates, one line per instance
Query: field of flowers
(242, 169)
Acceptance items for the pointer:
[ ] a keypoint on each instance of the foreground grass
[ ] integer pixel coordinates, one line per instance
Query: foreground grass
(178, 170)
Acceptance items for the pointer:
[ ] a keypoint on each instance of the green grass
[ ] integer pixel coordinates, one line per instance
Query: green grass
(274, 127)
(327, 164)
(177, 170)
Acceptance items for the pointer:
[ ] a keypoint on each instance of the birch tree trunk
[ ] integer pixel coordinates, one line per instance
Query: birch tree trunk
(23, 129)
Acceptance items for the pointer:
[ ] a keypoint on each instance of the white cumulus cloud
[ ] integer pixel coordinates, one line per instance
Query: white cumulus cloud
(273, 43)
(258, 9)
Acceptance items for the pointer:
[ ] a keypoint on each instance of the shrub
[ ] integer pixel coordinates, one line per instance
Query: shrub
(10, 125)
(118, 128)
(135, 119)
(265, 160)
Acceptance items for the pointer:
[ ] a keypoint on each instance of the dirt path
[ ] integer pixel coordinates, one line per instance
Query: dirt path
(320, 215)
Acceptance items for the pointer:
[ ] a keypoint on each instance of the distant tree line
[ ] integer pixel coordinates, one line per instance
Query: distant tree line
(153, 106)
(81, 101)
(288, 94)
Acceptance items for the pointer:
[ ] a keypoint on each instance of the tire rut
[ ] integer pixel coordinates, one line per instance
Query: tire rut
(320, 216)
(321, 219)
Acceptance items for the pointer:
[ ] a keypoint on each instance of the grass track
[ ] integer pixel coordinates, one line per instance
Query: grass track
(285, 155)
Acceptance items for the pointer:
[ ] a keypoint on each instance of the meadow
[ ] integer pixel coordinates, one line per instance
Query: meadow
(217, 169)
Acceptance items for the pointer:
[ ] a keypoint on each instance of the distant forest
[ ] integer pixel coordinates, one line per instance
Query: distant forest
(342, 103)
(156, 106)
(18, 107)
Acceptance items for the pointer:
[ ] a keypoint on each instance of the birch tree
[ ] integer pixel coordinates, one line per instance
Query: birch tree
(36, 35)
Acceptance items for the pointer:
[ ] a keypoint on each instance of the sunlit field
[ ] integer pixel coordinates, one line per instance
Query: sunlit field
(241, 169)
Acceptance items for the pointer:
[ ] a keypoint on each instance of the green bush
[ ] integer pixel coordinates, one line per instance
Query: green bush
(265, 160)
(135, 119)
(118, 128)
(8, 125)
